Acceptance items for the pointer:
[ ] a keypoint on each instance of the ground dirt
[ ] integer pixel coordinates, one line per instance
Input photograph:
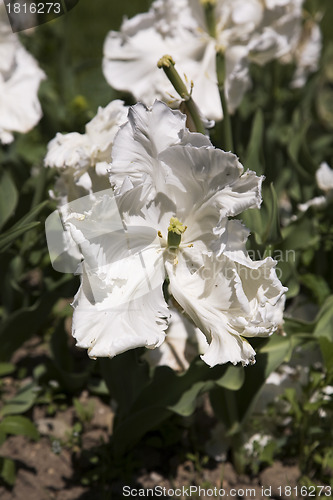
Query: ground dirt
(57, 466)
(54, 467)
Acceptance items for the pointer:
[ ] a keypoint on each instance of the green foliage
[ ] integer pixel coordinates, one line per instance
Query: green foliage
(147, 400)
(85, 412)
(311, 432)
(8, 197)
(6, 369)
(18, 425)
(254, 153)
(324, 326)
(7, 471)
(22, 401)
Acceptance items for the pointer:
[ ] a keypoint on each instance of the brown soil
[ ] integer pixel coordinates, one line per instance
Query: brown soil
(56, 467)
(49, 470)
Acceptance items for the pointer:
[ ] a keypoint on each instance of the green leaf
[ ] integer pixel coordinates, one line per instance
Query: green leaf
(11, 235)
(233, 378)
(19, 426)
(318, 286)
(324, 320)
(23, 323)
(326, 347)
(21, 402)
(126, 376)
(63, 361)
(98, 387)
(166, 393)
(8, 471)
(2, 437)
(254, 156)
(267, 454)
(6, 369)
(272, 233)
(297, 148)
(325, 105)
(8, 197)
(300, 235)
(265, 223)
(297, 327)
(253, 219)
(30, 216)
(234, 407)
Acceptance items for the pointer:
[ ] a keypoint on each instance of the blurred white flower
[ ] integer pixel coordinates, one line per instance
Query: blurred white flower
(307, 53)
(174, 206)
(20, 78)
(243, 30)
(82, 159)
(256, 444)
(324, 178)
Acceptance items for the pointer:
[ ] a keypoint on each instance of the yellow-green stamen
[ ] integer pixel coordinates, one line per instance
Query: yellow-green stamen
(175, 231)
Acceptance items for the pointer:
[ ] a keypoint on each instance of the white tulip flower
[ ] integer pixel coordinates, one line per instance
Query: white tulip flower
(20, 78)
(192, 32)
(324, 178)
(82, 159)
(172, 230)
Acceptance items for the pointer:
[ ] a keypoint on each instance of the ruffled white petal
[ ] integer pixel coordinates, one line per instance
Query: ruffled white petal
(139, 142)
(183, 342)
(228, 302)
(215, 181)
(83, 158)
(175, 162)
(209, 310)
(68, 150)
(120, 304)
(107, 327)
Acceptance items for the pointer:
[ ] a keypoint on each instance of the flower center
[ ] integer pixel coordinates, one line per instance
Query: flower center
(175, 231)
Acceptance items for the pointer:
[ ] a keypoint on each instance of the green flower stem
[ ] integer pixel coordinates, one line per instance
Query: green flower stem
(237, 452)
(209, 8)
(235, 433)
(168, 65)
(228, 143)
(269, 251)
